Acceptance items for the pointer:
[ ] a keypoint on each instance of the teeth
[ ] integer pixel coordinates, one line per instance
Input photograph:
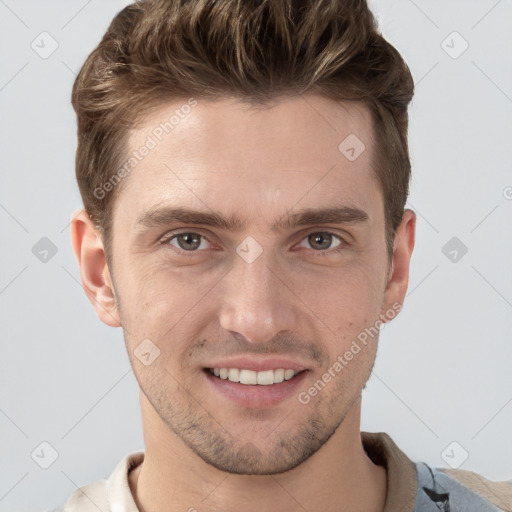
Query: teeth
(265, 378)
(234, 375)
(250, 377)
(278, 376)
(288, 374)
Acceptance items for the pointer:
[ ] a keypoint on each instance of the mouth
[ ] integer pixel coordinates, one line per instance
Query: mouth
(254, 378)
(254, 389)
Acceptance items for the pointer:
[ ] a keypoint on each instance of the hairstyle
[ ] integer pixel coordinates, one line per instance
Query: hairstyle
(155, 51)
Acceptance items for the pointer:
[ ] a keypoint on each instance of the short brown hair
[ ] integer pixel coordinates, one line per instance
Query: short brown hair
(155, 51)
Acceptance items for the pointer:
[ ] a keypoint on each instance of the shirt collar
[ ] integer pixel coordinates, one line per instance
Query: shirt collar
(401, 471)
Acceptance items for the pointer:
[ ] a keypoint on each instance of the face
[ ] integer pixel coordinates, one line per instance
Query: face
(247, 244)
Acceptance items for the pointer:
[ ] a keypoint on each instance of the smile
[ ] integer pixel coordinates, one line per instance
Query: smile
(251, 377)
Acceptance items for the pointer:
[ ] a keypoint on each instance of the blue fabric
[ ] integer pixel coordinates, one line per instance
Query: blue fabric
(437, 491)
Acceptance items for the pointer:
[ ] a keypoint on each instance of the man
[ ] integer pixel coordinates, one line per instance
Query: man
(244, 170)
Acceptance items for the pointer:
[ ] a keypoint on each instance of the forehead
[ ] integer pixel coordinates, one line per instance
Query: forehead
(228, 154)
(285, 124)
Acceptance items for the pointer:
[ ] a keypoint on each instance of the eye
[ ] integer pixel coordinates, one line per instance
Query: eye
(189, 242)
(321, 241)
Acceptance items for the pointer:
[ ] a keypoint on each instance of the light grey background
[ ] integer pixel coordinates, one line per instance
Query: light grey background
(443, 372)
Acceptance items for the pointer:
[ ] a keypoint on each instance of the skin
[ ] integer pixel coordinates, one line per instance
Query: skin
(304, 298)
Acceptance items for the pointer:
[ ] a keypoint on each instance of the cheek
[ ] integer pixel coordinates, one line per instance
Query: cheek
(164, 305)
(157, 289)
(345, 296)
(343, 306)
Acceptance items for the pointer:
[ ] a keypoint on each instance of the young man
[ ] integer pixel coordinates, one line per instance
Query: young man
(244, 170)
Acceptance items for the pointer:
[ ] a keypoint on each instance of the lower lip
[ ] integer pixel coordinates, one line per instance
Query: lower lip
(248, 395)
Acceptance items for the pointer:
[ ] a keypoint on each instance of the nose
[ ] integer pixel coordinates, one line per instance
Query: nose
(255, 302)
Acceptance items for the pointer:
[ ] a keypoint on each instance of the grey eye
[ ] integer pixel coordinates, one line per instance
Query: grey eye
(322, 241)
(188, 241)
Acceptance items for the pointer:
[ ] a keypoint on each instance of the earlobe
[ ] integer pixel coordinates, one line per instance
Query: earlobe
(94, 272)
(398, 278)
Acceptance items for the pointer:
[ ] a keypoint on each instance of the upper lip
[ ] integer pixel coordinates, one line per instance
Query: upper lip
(257, 364)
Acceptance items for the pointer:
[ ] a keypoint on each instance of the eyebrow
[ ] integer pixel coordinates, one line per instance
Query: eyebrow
(163, 216)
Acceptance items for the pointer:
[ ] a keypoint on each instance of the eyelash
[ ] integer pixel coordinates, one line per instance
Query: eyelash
(343, 243)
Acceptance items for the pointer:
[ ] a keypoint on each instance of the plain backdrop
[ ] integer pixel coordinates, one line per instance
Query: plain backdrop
(442, 384)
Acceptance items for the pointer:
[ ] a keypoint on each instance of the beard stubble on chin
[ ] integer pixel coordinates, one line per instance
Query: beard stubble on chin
(213, 442)
(216, 446)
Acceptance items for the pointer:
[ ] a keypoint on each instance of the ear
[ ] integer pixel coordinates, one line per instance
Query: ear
(94, 272)
(398, 276)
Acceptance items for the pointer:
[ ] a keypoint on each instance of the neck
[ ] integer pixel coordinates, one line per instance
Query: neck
(339, 476)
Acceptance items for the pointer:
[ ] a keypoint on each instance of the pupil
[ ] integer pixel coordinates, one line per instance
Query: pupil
(191, 239)
(320, 240)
